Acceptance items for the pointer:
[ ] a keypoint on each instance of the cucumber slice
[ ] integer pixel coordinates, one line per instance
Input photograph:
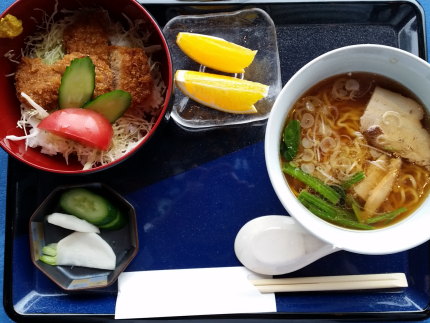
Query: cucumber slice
(77, 83)
(112, 104)
(88, 206)
(117, 223)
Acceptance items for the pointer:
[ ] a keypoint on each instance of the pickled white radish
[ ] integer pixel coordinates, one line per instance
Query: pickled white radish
(71, 222)
(85, 249)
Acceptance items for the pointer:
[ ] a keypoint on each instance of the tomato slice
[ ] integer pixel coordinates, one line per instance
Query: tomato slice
(85, 126)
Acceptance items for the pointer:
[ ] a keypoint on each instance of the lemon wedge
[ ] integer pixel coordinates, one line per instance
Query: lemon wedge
(215, 52)
(220, 92)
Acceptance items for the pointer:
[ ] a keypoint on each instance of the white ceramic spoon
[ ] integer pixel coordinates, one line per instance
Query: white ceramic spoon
(277, 244)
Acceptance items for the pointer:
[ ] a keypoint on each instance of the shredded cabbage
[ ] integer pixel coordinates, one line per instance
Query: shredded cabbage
(47, 42)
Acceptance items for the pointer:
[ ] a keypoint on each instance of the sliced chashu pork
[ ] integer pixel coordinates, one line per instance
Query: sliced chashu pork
(392, 122)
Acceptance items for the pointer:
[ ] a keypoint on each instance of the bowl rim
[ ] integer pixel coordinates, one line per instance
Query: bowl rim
(164, 109)
(372, 242)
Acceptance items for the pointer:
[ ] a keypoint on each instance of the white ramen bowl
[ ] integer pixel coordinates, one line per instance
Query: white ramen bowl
(401, 66)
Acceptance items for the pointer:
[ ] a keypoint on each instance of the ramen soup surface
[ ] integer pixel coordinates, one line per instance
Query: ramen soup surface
(337, 169)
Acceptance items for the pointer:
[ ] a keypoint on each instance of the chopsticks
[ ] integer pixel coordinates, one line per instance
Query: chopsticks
(331, 283)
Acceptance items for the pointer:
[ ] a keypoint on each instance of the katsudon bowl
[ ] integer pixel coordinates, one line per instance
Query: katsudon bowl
(124, 24)
(404, 74)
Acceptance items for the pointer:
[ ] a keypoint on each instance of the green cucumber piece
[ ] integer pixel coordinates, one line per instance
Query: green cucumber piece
(112, 104)
(77, 83)
(117, 223)
(87, 205)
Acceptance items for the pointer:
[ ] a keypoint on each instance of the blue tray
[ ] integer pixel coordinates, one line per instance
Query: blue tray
(194, 190)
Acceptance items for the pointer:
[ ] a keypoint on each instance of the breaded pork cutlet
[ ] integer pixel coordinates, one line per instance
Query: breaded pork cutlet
(87, 35)
(41, 81)
(38, 80)
(131, 73)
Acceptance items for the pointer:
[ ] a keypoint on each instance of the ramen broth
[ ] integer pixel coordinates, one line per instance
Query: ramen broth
(332, 149)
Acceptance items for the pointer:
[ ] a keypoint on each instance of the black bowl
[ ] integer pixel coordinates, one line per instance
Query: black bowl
(124, 241)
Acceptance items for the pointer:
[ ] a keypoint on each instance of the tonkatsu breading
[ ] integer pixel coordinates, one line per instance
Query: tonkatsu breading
(131, 73)
(38, 80)
(41, 81)
(88, 35)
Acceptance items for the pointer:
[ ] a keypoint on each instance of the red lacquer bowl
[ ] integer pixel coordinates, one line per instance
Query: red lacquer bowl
(30, 12)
